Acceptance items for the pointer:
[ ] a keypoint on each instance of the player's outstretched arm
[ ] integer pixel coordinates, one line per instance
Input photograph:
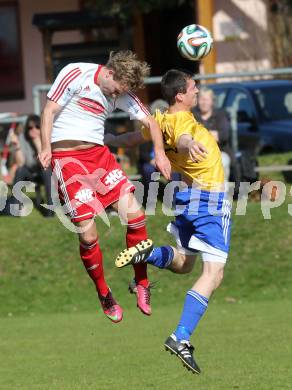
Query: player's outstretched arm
(196, 151)
(50, 110)
(161, 161)
(126, 140)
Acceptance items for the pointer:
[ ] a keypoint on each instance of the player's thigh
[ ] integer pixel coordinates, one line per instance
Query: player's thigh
(213, 266)
(128, 207)
(86, 230)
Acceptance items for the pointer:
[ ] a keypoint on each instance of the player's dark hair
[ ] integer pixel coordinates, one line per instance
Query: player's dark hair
(173, 82)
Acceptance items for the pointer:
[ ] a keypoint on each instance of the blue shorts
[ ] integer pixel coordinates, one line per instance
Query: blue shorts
(202, 224)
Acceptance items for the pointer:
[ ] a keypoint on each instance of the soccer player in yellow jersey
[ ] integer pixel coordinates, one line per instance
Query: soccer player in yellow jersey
(202, 222)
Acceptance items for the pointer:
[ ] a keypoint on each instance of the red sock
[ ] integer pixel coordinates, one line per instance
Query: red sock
(137, 232)
(91, 256)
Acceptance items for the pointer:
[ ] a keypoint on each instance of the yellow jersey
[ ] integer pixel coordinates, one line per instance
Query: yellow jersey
(207, 174)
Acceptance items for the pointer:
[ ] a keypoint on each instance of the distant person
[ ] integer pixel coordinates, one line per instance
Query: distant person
(217, 122)
(8, 165)
(27, 146)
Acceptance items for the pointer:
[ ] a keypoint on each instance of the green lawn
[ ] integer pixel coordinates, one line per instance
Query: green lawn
(54, 336)
(40, 270)
(274, 159)
(239, 346)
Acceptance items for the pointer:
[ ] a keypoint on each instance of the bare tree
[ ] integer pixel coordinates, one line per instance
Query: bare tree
(280, 31)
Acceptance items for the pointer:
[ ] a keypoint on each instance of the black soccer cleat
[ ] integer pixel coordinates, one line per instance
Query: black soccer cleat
(135, 254)
(183, 350)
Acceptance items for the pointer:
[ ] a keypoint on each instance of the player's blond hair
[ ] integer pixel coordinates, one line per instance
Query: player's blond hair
(128, 70)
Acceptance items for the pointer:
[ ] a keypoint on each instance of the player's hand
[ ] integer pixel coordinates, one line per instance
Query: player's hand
(197, 151)
(45, 157)
(163, 165)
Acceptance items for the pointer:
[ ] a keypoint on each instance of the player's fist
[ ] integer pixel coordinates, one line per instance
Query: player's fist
(197, 151)
(163, 165)
(45, 157)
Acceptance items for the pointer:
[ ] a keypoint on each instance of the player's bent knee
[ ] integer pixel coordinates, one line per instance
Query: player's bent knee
(183, 264)
(219, 278)
(88, 238)
(87, 231)
(187, 267)
(214, 272)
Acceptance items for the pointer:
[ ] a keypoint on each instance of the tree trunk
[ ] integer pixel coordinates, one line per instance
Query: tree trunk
(280, 32)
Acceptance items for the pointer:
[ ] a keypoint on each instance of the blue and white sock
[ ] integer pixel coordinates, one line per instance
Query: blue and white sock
(161, 256)
(194, 308)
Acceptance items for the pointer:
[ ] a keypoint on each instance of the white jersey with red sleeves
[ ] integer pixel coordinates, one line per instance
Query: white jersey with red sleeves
(84, 107)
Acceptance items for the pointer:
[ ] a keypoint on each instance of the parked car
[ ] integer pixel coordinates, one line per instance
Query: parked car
(262, 111)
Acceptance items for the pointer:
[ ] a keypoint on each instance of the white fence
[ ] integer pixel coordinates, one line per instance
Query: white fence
(42, 88)
(39, 89)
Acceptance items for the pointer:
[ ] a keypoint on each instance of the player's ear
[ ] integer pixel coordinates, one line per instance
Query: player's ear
(179, 97)
(110, 73)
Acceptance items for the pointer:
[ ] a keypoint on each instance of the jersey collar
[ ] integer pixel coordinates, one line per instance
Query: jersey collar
(97, 73)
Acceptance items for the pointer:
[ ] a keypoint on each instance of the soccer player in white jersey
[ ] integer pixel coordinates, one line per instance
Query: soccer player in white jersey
(89, 178)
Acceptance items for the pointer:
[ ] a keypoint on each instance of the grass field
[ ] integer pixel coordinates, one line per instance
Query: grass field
(54, 336)
(244, 346)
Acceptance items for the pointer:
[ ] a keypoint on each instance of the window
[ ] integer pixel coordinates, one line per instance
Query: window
(11, 78)
(275, 102)
(220, 95)
(239, 102)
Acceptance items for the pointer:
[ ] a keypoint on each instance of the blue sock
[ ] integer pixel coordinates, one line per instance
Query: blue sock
(194, 307)
(161, 256)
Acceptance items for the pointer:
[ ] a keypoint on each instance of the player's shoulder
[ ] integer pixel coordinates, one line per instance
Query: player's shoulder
(158, 115)
(81, 67)
(186, 115)
(184, 118)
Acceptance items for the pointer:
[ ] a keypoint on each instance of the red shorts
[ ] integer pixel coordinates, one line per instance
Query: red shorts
(89, 180)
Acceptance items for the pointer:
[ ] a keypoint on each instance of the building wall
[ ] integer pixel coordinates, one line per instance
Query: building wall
(32, 47)
(240, 33)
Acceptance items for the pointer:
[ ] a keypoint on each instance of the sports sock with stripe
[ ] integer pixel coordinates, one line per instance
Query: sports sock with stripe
(161, 256)
(194, 307)
(91, 256)
(136, 232)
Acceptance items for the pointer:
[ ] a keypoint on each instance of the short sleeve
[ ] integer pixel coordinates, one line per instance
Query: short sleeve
(131, 104)
(145, 130)
(65, 84)
(184, 124)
